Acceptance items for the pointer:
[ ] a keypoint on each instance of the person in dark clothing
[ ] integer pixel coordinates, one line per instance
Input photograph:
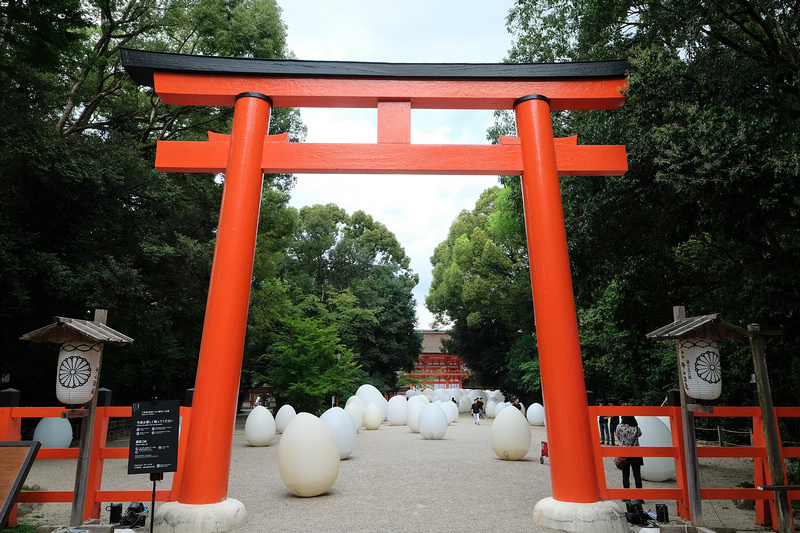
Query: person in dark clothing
(476, 410)
(628, 433)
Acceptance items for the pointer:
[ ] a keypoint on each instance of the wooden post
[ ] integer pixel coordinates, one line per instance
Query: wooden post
(774, 455)
(689, 440)
(85, 444)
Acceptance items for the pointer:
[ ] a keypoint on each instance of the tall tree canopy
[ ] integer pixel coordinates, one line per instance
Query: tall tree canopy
(707, 215)
(85, 220)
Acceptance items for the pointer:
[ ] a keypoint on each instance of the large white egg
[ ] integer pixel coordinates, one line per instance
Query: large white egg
(284, 415)
(397, 411)
(356, 400)
(432, 422)
(464, 405)
(308, 456)
(343, 428)
(259, 428)
(499, 406)
(53, 432)
(488, 408)
(510, 435)
(536, 414)
(499, 395)
(656, 433)
(372, 416)
(450, 411)
(370, 394)
(414, 409)
(428, 393)
(356, 412)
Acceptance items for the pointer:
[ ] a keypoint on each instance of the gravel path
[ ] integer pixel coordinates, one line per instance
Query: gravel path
(395, 481)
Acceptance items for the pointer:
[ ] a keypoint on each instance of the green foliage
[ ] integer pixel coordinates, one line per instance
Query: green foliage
(309, 365)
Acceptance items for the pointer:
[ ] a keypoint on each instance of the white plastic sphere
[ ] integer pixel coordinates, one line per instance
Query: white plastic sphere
(356, 412)
(464, 404)
(397, 410)
(432, 422)
(53, 433)
(284, 415)
(370, 394)
(259, 428)
(308, 456)
(655, 433)
(414, 410)
(510, 435)
(536, 414)
(343, 428)
(372, 416)
(488, 409)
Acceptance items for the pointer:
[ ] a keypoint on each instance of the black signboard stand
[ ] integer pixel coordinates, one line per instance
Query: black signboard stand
(16, 459)
(154, 441)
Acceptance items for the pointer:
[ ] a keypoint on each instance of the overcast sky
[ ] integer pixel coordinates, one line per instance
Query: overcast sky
(417, 209)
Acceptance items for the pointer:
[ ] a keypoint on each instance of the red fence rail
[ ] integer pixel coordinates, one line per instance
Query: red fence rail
(764, 499)
(10, 429)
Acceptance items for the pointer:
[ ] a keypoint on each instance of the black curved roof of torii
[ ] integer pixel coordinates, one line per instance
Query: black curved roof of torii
(141, 65)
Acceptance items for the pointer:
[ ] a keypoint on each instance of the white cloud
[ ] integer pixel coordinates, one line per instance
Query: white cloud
(417, 209)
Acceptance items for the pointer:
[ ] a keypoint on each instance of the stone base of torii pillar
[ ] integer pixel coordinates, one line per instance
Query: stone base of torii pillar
(175, 517)
(597, 517)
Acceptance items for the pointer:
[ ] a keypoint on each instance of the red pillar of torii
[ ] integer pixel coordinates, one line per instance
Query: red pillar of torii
(254, 86)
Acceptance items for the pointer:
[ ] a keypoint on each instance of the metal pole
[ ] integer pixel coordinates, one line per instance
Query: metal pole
(85, 444)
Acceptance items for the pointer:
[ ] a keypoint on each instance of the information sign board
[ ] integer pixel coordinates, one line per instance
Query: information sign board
(154, 437)
(16, 459)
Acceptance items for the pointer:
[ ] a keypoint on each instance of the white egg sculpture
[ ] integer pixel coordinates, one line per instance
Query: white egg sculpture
(432, 422)
(397, 410)
(259, 428)
(356, 412)
(656, 433)
(414, 410)
(464, 404)
(308, 456)
(536, 414)
(372, 416)
(499, 395)
(428, 393)
(356, 400)
(370, 394)
(450, 411)
(53, 433)
(488, 409)
(499, 406)
(510, 435)
(282, 418)
(343, 428)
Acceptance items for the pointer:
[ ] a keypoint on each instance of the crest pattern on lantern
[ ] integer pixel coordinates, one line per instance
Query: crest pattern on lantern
(701, 368)
(78, 367)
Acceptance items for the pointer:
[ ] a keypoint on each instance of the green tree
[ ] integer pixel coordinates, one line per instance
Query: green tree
(309, 365)
(351, 271)
(707, 214)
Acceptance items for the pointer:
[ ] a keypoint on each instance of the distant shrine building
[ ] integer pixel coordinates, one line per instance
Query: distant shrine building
(435, 368)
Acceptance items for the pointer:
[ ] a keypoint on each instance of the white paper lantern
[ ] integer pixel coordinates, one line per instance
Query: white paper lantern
(701, 368)
(78, 370)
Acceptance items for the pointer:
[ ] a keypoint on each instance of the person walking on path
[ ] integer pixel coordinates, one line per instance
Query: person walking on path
(628, 433)
(602, 420)
(476, 411)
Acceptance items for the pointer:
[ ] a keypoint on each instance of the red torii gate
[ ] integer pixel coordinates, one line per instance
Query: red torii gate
(254, 86)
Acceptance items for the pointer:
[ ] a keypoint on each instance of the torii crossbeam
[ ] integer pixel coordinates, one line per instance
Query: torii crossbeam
(254, 86)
